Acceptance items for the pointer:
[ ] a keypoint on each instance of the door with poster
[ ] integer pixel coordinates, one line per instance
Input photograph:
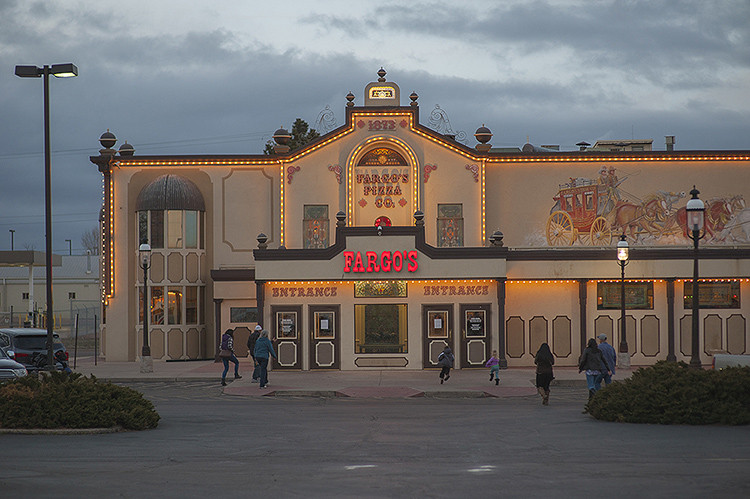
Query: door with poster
(324, 323)
(475, 335)
(287, 337)
(437, 327)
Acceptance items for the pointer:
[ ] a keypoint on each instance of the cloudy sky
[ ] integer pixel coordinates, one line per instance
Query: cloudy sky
(194, 76)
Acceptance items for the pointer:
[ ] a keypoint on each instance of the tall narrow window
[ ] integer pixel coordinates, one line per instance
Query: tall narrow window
(191, 305)
(450, 225)
(191, 229)
(175, 305)
(174, 228)
(315, 226)
(157, 305)
(142, 226)
(157, 229)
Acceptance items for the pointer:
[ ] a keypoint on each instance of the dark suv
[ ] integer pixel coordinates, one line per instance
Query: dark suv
(27, 345)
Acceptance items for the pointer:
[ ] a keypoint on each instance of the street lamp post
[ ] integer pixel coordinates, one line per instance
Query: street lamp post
(70, 247)
(12, 233)
(60, 71)
(695, 211)
(147, 363)
(623, 356)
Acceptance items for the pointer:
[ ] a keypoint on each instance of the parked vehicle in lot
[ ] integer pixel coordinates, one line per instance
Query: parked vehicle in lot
(24, 345)
(9, 368)
(722, 360)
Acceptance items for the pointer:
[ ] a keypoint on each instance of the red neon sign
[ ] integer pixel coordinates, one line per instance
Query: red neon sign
(387, 261)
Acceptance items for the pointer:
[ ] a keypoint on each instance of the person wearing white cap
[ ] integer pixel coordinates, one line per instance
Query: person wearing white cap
(251, 347)
(610, 357)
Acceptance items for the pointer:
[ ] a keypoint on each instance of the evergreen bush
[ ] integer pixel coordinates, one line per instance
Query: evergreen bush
(59, 400)
(673, 393)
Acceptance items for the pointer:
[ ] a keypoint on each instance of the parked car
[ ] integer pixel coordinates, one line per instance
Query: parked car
(26, 345)
(9, 368)
(722, 360)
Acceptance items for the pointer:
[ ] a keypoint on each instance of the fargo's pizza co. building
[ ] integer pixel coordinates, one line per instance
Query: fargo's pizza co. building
(383, 240)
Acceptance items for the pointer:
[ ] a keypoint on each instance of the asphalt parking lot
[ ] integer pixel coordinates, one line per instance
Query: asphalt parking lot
(211, 443)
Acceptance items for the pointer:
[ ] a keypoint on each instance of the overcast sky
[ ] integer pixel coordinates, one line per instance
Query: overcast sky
(194, 76)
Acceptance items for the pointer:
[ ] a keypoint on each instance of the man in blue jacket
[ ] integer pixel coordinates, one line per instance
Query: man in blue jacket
(263, 349)
(610, 357)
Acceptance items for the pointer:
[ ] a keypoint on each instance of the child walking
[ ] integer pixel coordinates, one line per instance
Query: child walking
(445, 361)
(494, 365)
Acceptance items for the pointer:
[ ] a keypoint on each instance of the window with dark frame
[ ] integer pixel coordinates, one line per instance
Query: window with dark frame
(712, 294)
(638, 295)
(315, 226)
(243, 314)
(450, 225)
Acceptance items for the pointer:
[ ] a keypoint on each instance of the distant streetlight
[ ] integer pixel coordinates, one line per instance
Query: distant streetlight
(70, 247)
(12, 233)
(622, 257)
(695, 219)
(144, 254)
(60, 71)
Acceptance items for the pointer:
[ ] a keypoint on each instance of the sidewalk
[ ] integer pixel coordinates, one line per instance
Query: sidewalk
(464, 383)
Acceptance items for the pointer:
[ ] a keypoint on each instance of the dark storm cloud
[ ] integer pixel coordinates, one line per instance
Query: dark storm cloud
(665, 42)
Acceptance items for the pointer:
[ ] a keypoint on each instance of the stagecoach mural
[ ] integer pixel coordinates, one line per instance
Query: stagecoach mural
(595, 211)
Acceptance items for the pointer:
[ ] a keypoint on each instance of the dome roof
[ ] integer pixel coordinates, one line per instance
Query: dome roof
(170, 192)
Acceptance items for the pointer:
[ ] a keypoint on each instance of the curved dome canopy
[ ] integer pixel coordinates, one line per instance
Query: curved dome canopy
(170, 192)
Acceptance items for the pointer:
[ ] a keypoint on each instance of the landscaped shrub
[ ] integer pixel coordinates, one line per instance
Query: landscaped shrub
(59, 400)
(674, 393)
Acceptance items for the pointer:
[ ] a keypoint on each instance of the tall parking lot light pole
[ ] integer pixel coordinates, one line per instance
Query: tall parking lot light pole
(622, 257)
(60, 71)
(695, 211)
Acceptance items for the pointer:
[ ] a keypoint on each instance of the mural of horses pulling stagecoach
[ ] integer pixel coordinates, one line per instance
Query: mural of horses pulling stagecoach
(592, 211)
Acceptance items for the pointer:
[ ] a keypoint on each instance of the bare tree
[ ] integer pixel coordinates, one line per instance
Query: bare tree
(90, 241)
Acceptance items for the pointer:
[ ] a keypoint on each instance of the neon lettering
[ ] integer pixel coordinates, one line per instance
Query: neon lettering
(412, 265)
(372, 261)
(348, 260)
(385, 261)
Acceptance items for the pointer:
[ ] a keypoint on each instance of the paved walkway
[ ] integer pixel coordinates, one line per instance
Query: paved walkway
(371, 383)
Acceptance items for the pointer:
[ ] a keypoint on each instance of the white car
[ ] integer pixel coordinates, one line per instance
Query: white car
(722, 360)
(9, 368)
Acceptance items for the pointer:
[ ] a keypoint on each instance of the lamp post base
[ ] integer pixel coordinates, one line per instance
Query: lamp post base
(147, 364)
(623, 360)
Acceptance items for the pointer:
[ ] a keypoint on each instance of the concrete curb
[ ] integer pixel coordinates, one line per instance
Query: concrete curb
(60, 431)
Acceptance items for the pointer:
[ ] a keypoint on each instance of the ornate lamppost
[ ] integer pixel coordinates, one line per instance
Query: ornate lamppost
(623, 356)
(695, 219)
(59, 71)
(144, 254)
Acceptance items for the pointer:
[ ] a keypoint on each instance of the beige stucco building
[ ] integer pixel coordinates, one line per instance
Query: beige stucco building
(382, 241)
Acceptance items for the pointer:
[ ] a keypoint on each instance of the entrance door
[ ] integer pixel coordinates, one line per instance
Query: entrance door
(287, 327)
(437, 327)
(475, 335)
(324, 337)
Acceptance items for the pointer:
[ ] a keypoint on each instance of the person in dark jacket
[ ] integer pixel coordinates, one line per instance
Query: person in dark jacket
(544, 361)
(595, 366)
(263, 349)
(226, 354)
(251, 348)
(610, 357)
(445, 361)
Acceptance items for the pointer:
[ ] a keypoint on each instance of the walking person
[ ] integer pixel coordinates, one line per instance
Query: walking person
(544, 361)
(251, 348)
(226, 353)
(445, 361)
(494, 365)
(595, 366)
(610, 357)
(263, 349)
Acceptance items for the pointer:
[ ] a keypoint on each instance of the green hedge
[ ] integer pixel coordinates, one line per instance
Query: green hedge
(58, 400)
(673, 393)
